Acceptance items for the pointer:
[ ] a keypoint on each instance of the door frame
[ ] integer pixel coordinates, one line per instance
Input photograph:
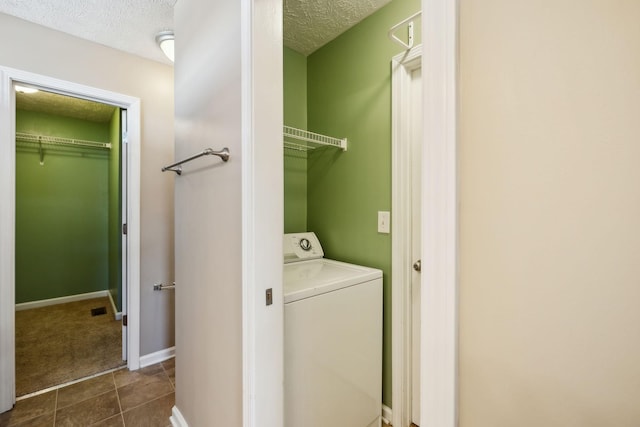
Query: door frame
(402, 66)
(7, 215)
(439, 237)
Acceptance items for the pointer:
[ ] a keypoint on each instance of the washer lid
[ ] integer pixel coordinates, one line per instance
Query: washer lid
(301, 246)
(314, 277)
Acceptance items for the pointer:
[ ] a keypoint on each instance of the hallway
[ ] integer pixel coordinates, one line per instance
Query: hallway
(117, 399)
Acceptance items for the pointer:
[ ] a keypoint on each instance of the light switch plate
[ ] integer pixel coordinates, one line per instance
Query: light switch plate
(384, 222)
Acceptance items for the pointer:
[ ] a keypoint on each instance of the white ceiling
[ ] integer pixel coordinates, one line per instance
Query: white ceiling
(131, 25)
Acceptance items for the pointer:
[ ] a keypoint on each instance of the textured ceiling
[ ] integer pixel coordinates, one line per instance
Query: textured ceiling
(310, 24)
(61, 105)
(127, 25)
(131, 26)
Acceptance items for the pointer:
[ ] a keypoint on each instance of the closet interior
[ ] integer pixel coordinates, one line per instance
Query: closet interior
(68, 259)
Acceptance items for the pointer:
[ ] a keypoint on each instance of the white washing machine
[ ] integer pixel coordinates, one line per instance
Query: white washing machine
(332, 338)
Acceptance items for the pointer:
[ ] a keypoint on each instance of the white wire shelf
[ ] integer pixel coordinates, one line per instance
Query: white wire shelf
(302, 140)
(54, 140)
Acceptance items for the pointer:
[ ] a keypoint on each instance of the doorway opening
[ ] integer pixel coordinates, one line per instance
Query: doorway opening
(26, 152)
(68, 239)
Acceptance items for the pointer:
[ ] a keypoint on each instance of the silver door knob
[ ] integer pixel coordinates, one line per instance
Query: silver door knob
(417, 266)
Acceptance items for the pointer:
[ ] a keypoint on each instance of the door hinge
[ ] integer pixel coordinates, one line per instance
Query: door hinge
(269, 296)
(124, 228)
(124, 320)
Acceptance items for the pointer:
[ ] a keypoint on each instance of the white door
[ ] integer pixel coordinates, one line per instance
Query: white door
(416, 230)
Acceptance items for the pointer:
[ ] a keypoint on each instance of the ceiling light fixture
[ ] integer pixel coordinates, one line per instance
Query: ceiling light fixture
(165, 41)
(25, 89)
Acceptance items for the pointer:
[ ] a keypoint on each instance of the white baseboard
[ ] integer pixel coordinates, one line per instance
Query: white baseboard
(60, 300)
(158, 356)
(386, 414)
(118, 314)
(177, 420)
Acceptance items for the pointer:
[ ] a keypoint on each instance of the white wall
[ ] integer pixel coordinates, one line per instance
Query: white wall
(208, 215)
(40, 50)
(229, 216)
(549, 213)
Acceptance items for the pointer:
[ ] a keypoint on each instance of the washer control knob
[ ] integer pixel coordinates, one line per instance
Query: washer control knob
(305, 244)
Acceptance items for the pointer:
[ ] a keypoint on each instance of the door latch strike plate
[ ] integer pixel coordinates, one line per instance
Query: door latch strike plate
(269, 295)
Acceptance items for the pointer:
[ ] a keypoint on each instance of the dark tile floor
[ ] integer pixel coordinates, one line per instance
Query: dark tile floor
(122, 398)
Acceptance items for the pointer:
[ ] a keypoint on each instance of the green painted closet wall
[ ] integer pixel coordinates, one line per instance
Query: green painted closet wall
(349, 95)
(295, 162)
(115, 212)
(61, 211)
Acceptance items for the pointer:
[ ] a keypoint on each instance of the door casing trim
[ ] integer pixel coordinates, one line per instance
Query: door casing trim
(402, 66)
(439, 234)
(7, 215)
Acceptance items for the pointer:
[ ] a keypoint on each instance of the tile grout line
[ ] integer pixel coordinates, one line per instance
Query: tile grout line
(167, 374)
(112, 373)
(63, 385)
(100, 395)
(113, 377)
(55, 409)
(149, 401)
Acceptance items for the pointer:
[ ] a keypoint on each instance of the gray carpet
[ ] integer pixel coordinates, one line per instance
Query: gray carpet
(64, 342)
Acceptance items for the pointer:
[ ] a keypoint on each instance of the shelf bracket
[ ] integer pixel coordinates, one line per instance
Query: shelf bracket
(40, 151)
(393, 30)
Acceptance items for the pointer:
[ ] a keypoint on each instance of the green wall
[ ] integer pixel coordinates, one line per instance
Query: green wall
(61, 211)
(349, 95)
(295, 162)
(344, 90)
(115, 212)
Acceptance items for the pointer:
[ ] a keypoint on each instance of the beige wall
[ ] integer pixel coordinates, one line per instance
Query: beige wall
(209, 214)
(37, 49)
(550, 213)
(229, 216)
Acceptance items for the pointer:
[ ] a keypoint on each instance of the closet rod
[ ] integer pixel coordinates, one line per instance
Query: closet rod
(223, 154)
